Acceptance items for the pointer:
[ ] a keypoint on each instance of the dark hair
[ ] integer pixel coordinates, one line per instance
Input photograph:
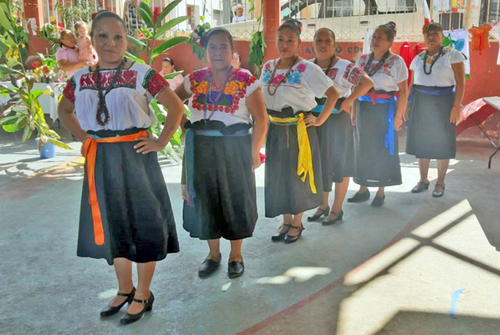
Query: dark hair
(389, 29)
(104, 14)
(80, 24)
(169, 60)
(292, 24)
(216, 31)
(327, 29)
(432, 26)
(63, 35)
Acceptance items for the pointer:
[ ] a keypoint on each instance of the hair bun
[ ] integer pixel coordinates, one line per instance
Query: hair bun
(392, 26)
(295, 24)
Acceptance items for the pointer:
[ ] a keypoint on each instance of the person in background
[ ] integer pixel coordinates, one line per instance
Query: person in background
(167, 67)
(236, 60)
(438, 89)
(67, 56)
(239, 17)
(86, 51)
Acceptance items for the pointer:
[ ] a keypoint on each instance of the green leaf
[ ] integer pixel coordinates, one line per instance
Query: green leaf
(167, 45)
(27, 133)
(173, 75)
(169, 25)
(7, 70)
(134, 58)
(4, 20)
(146, 14)
(167, 10)
(136, 43)
(11, 128)
(60, 144)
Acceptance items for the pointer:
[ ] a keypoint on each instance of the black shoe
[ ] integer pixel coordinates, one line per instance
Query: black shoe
(315, 217)
(148, 306)
(438, 193)
(110, 310)
(378, 201)
(420, 187)
(235, 269)
(291, 239)
(360, 197)
(281, 236)
(338, 217)
(208, 267)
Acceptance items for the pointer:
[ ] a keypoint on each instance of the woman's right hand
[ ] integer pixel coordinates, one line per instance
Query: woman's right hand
(83, 146)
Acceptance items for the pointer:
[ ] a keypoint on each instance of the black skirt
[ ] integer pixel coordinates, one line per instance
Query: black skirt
(285, 192)
(336, 144)
(430, 133)
(375, 166)
(137, 217)
(225, 203)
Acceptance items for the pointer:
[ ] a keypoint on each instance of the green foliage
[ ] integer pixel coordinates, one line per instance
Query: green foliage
(257, 45)
(196, 39)
(81, 10)
(50, 33)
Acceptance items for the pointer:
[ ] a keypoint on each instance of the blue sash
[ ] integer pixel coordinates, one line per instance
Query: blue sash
(435, 91)
(321, 104)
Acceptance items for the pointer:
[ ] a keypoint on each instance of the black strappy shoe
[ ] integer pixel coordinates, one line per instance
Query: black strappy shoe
(438, 193)
(112, 310)
(148, 306)
(281, 236)
(360, 197)
(338, 217)
(316, 216)
(420, 187)
(291, 239)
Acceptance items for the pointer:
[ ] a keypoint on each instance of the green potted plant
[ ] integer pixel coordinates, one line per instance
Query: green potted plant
(22, 111)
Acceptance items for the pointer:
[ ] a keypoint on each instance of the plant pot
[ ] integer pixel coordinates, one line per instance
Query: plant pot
(48, 150)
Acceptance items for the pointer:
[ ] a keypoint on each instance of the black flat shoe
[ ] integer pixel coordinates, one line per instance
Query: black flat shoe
(420, 187)
(316, 216)
(378, 201)
(235, 269)
(110, 310)
(438, 193)
(281, 236)
(148, 306)
(338, 217)
(291, 239)
(360, 197)
(208, 267)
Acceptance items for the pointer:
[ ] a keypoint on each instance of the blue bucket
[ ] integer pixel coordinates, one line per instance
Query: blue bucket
(48, 150)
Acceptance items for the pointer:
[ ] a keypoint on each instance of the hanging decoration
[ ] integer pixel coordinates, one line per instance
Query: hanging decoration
(480, 37)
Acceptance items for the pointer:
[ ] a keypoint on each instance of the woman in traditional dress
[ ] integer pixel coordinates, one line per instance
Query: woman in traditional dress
(293, 168)
(378, 117)
(125, 210)
(221, 153)
(336, 138)
(435, 106)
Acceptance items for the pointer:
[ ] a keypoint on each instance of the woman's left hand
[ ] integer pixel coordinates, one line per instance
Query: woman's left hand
(312, 121)
(256, 162)
(345, 107)
(147, 145)
(455, 114)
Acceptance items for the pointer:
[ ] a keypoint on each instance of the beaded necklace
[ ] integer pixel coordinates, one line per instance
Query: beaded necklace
(378, 66)
(102, 114)
(433, 62)
(219, 95)
(329, 65)
(287, 74)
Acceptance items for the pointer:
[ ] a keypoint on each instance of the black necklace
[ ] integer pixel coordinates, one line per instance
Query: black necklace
(102, 115)
(287, 74)
(329, 65)
(433, 62)
(209, 93)
(378, 66)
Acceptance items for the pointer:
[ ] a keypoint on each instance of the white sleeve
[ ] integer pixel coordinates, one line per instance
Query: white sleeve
(316, 80)
(187, 84)
(399, 70)
(456, 57)
(414, 63)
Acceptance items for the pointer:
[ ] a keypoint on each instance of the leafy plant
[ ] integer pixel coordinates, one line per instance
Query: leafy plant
(50, 33)
(196, 40)
(22, 110)
(81, 10)
(257, 45)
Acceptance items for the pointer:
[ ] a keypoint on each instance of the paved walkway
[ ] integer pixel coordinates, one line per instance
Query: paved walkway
(391, 270)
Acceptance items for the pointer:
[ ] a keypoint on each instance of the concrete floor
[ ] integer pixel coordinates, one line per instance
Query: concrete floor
(390, 270)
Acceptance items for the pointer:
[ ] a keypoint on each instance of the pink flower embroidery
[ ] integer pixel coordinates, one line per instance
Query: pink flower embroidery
(301, 67)
(242, 76)
(268, 66)
(278, 79)
(199, 75)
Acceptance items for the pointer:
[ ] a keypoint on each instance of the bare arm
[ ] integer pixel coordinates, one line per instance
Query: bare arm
(167, 98)
(183, 95)
(67, 66)
(459, 70)
(257, 107)
(331, 99)
(365, 84)
(68, 118)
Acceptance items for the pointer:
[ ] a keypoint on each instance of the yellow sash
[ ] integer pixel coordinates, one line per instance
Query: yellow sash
(305, 164)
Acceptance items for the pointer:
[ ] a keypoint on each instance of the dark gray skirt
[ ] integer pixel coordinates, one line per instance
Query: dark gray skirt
(375, 166)
(225, 204)
(336, 144)
(285, 192)
(135, 207)
(430, 133)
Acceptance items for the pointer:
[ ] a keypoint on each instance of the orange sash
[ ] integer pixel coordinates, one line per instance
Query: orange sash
(90, 154)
